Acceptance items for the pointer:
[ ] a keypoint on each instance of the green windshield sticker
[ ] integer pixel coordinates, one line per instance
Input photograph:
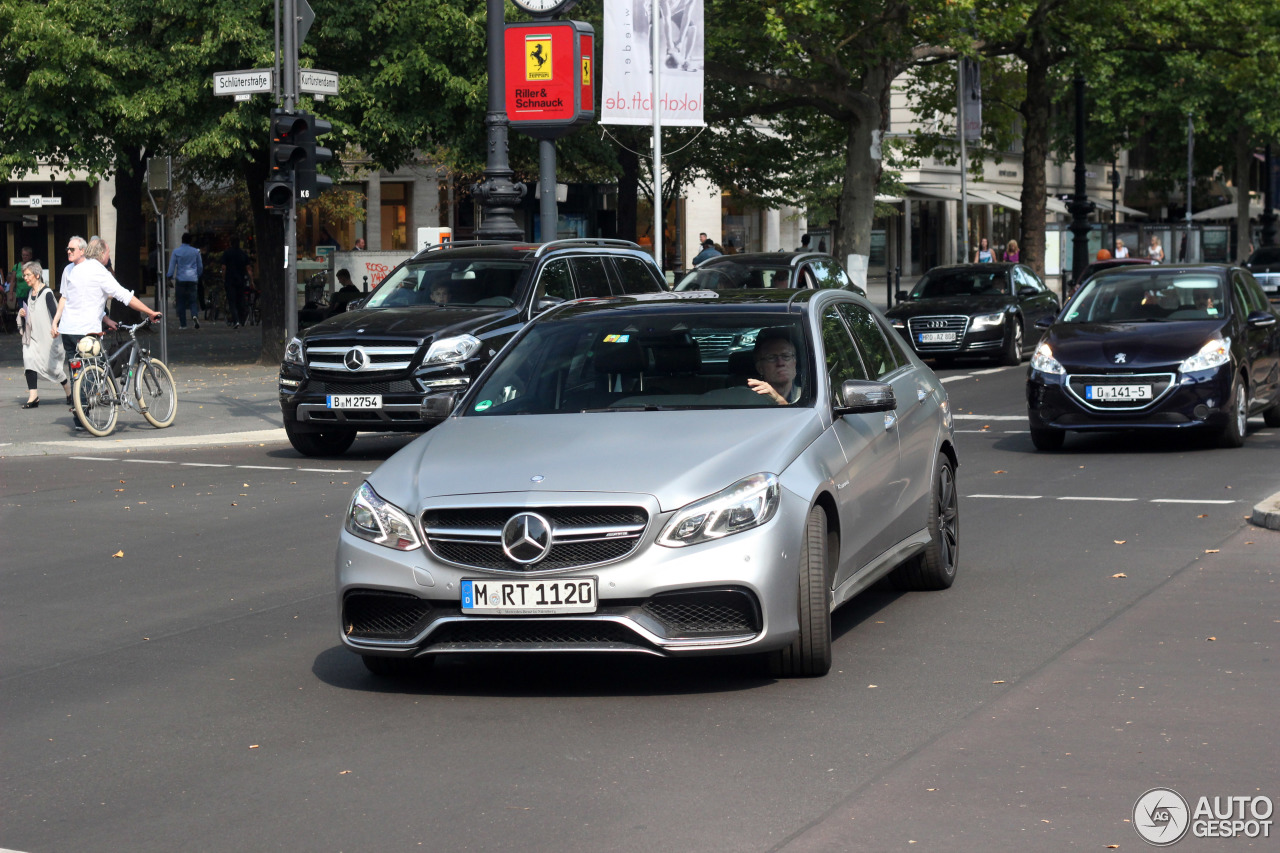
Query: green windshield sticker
(616, 339)
(483, 404)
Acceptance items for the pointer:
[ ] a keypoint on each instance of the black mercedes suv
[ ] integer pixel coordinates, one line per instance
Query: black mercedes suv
(400, 358)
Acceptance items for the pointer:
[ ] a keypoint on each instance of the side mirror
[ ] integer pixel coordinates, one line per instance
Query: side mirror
(546, 302)
(1045, 322)
(902, 296)
(1027, 292)
(1260, 319)
(860, 396)
(355, 304)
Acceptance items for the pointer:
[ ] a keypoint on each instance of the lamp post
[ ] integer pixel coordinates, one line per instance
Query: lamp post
(1080, 206)
(1115, 189)
(497, 194)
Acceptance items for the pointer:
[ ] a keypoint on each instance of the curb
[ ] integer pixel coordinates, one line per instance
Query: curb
(1267, 513)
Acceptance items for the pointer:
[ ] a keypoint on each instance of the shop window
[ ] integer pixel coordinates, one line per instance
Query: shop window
(395, 216)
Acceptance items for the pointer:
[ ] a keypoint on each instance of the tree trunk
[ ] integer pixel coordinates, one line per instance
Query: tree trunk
(268, 231)
(1243, 162)
(1035, 151)
(851, 243)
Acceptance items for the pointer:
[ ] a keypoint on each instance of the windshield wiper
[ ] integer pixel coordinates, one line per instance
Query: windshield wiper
(649, 407)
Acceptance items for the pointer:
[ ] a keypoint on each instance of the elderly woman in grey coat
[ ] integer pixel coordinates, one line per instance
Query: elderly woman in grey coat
(42, 353)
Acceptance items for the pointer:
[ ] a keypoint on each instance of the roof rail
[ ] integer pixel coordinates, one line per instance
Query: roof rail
(454, 244)
(584, 241)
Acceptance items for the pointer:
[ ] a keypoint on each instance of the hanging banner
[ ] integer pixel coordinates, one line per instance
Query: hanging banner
(972, 100)
(626, 91)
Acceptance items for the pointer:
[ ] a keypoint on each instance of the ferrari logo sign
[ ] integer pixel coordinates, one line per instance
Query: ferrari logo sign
(538, 66)
(586, 70)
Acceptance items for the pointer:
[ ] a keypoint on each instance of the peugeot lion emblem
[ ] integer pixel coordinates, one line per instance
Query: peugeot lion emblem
(355, 359)
(526, 538)
(1120, 358)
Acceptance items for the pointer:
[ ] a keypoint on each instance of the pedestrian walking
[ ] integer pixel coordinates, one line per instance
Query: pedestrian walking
(708, 251)
(1155, 251)
(804, 243)
(42, 351)
(235, 270)
(1011, 253)
(984, 255)
(185, 268)
(1122, 251)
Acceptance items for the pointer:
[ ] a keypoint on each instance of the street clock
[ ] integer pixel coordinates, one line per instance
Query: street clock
(545, 8)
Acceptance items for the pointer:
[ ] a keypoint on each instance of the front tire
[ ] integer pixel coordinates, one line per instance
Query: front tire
(330, 442)
(936, 567)
(1012, 354)
(1233, 433)
(93, 396)
(809, 654)
(157, 394)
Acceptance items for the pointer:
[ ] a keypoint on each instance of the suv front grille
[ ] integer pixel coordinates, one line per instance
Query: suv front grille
(957, 324)
(330, 356)
(580, 536)
(336, 386)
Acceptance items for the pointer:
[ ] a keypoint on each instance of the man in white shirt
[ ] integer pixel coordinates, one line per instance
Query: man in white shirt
(85, 290)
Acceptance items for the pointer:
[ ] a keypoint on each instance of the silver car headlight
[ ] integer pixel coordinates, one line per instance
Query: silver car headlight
(1044, 361)
(293, 352)
(1215, 353)
(748, 503)
(987, 321)
(372, 518)
(452, 350)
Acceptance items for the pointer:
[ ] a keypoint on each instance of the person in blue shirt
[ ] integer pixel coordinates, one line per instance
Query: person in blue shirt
(186, 267)
(984, 255)
(708, 251)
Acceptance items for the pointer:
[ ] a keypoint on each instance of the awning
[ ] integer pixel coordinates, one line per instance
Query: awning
(917, 191)
(1104, 206)
(1227, 211)
(996, 198)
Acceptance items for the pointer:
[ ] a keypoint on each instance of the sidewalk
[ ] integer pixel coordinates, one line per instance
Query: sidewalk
(224, 396)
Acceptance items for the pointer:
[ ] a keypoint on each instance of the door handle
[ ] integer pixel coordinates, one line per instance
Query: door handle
(890, 418)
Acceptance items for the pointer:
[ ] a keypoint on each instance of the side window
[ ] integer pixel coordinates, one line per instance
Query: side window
(843, 361)
(635, 276)
(871, 340)
(590, 276)
(805, 279)
(1257, 296)
(554, 281)
(1242, 296)
(836, 276)
(821, 275)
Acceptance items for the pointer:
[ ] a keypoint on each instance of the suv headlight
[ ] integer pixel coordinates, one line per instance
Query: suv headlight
(1044, 361)
(452, 350)
(293, 352)
(1215, 353)
(748, 503)
(986, 321)
(372, 518)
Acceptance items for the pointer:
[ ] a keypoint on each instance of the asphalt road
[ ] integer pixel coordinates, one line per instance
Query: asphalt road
(173, 679)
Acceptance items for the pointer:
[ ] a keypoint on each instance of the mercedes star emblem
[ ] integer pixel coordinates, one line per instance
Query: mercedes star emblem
(526, 538)
(355, 359)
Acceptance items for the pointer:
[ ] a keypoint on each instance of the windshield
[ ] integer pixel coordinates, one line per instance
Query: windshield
(649, 360)
(728, 275)
(960, 283)
(455, 283)
(1121, 298)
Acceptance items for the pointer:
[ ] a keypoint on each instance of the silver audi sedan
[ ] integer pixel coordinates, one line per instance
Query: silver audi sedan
(676, 474)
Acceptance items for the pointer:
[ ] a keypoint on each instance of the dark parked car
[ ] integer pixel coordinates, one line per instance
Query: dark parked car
(1264, 263)
(1158, 347)
(397, 362)
(973, 309)
(769, 270)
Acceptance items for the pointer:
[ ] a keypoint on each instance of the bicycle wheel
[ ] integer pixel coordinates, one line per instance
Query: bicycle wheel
(94, 398)
(157, 395)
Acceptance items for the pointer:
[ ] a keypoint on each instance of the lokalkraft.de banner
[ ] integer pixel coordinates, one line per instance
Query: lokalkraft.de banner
(626, 90)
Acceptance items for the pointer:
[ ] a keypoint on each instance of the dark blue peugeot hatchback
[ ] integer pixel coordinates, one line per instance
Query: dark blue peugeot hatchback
(1158, 347)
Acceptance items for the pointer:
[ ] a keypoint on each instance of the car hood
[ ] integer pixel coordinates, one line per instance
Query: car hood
(1088, 346)
(419, 322)
(677, 457)
(979, 304)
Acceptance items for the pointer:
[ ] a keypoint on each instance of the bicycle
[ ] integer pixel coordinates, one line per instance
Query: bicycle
(148, 386)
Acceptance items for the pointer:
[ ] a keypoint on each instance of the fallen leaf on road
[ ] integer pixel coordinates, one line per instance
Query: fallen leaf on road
(253, 746)
(1211, 550)
(118, 554)
(1119, 575)
(1002, 472)
(1210, 639)
(343, 772)
(1203, 515)
(1119, 541)
(997, 682)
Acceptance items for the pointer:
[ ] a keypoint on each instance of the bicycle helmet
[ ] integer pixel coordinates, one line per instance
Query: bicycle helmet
(89, 346)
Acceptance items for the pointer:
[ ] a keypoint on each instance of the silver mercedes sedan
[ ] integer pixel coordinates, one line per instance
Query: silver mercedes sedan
(675, 474)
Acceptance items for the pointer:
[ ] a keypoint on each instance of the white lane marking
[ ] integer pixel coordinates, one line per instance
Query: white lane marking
(265, 467)
(95, 458)
(992, 370)
(1009, 497)
(149, 461)
(990, 417)
(1117, 500)
(260, 436)
(328, 470)
(206, 464)
(1183, 501)
(953, 378)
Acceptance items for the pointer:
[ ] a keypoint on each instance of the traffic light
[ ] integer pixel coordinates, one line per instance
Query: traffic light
(279, 194)
(310, 183)
(286, 155)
